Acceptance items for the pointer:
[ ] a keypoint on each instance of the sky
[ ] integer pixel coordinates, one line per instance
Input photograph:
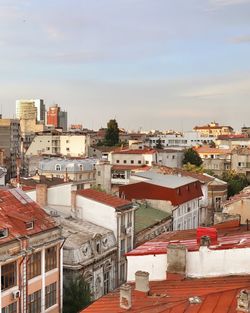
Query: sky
(151, 64)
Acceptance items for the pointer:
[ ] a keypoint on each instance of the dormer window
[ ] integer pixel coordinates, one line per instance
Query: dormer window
(29, 225)
(4, 232)
(58, 167)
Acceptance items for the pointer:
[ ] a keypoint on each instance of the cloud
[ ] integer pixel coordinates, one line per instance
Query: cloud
(241, 39)
(228, 2)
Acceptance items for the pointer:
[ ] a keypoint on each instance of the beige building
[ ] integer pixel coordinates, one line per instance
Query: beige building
(31, 256)
(55, 143)
(241, 160)
(10, 143)
(213, 130)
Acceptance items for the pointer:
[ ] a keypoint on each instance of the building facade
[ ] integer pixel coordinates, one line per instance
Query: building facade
(31, 256)
(57, 118)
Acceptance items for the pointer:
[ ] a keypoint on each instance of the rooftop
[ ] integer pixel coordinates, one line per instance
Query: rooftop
(148, 216)
(70, 164)
(104, 198)
(169, 181)
(135, 151)
(17, 209)
(130, 167)
(206, 149)
(218, 295)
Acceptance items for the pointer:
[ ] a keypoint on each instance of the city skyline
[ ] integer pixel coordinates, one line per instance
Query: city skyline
(149, 64)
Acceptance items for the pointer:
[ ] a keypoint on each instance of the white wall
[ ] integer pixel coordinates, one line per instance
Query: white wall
(156, 265)
(97, 213)
(202, 263)
(76, 145)
(209, 263)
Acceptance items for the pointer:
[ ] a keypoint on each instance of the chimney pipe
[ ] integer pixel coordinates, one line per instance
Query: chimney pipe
(125, 297)
(142, 281)
(205, 241)
(176, 261)
(42, 195)
(243, 301)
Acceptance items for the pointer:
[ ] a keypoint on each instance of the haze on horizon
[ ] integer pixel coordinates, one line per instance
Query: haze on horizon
(155, 64)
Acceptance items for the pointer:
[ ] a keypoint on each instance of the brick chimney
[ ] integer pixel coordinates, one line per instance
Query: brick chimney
(176, 262)
(142, 282)
(125, 297)
(243, 301)
(41, 195)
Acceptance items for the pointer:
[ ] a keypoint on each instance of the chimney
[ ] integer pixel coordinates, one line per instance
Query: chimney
(125, 297)
(73, 202)
(243, 301)
(142, 281)
(205, 241)
(176, 261)
(41, 195)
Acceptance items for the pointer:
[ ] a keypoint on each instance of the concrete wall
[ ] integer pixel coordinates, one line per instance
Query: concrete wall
(97, 213)
(240, 207)
(156, 265)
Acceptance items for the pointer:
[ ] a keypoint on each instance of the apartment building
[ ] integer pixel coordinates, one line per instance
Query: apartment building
(30, 256)
(214, 129)
(68, 169)
(56, 143)
(241, 160)
(10, 144)
(179, 196)
(57, 118)
(133, 157)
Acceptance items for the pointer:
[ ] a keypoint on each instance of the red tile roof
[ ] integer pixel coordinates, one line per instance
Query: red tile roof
(16, 209)
(130, 167)
(229, 236)
(135, 151)
(206, 149)
(218, 295)
(104, 198)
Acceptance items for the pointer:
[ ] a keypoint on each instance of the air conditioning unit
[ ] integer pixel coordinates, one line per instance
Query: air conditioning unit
(128, 230)
(16, 294)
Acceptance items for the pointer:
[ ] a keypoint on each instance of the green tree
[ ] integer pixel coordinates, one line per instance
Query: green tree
(112, 133)
(191, 156)
(158, 144)
(76, 295)
(192, 168)
(236, 182)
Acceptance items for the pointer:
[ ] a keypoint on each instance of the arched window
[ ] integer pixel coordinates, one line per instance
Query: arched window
(58, 167)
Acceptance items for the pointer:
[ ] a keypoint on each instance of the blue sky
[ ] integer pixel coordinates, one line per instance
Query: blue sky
(155, 64)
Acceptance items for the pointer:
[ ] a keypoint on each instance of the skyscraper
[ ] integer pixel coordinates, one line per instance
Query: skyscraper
(57, 118)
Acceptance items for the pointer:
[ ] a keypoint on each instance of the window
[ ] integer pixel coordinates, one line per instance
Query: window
(34, 265)
(81, 167)
(29, 225)
(122, 272)
(99, 173)
(67, 149)
(139, 162)
(122, 247)
(58, 167)
(48, 148)
(117, 161)
(123, 220)
(8, 276)
(173, 157)
(12, 308)
(50, 258)
(129, 219)
(34, 302)
(132, 161)
(106, 282)
(50, 295)
(129, 243)
(4, 233)
(124, 161)
(147, 162)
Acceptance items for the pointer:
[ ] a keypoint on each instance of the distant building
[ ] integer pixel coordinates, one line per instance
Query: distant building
(214, 129)
(31, 256)
(57, 118)
(179, 196)
(133, 157)
(10, 144)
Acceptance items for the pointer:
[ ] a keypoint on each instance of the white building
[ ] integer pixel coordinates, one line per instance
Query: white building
(187, 139)
(133, 157)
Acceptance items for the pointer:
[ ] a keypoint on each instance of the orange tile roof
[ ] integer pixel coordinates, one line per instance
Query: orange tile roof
(130, 167)
(104, 198)
(218, 295)
(135, 151)
(16, 208)
(206, 149)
